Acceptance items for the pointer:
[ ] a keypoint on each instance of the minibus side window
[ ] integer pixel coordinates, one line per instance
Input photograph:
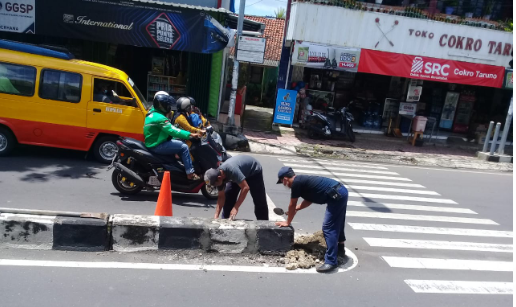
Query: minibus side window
(60, 85)
(112, 92)
(17, 79)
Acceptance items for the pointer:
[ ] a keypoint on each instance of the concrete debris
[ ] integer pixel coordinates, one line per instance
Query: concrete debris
(308, 251)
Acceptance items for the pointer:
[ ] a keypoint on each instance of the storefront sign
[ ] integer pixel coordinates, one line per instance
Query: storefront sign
(414, 93)
(132, 23)
(425, 68)
(326, 57)
(285, 107)
(508, 79)
(407, 108)
(387, 32)
(18, 16)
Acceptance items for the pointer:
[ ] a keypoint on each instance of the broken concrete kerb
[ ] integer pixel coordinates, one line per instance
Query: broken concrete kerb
(127, 233)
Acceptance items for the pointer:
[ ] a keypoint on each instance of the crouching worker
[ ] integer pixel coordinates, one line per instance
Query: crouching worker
(234, 179)
(319, 190)
(158, 130)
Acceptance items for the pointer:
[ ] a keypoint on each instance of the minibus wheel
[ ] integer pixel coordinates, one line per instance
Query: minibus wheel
(7, 142)
(105, 149)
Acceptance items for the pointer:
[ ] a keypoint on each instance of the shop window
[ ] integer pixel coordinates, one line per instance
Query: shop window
(256, 74)
(60, 85)
(17, 79)
(112, 92)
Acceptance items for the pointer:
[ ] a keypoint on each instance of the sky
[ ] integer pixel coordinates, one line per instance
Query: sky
(261, 7)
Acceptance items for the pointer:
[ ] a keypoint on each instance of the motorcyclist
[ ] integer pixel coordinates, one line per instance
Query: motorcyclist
(158, 130)
(187, 115)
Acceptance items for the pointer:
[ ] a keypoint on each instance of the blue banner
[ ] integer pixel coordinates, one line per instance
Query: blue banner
(285, 107)
(132, 23)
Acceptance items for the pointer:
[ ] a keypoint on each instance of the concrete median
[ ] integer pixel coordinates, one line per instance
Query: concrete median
(129, 233)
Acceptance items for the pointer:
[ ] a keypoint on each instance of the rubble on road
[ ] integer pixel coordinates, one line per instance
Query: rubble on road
(307, 252)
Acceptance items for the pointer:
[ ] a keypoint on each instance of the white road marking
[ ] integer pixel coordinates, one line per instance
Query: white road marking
(460, 287)
(326, 173)
(402, 197)
(293, 165)
(324, 162)
(433, 230)
(409, 207)
(449, 264)
(417, 217)
(382, 189)
(349, 265)
(395, 184)
(273, 216)
(444, 245)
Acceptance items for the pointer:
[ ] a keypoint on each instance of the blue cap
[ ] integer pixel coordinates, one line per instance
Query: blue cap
(285, 171)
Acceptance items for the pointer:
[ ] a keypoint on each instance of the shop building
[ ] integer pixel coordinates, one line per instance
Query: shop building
(166, 46)
(394, 67)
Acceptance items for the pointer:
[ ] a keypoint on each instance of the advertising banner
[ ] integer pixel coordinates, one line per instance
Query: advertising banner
(450, 105)
(508, 79)
(132, 23)
(326, 57)
(285, 107)
(431, 69)
(18, 16)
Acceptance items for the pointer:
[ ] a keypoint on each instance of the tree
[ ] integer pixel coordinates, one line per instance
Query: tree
(280, 13)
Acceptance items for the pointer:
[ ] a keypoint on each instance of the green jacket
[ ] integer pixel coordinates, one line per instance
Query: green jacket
(158, 129)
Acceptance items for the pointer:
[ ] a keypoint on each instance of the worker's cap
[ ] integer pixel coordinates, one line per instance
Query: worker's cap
(285, 171)
(211, 176)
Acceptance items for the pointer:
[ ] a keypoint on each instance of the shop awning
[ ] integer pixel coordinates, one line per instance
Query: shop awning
(431, 69)
(144, 24)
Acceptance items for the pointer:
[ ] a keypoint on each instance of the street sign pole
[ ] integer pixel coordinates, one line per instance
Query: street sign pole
(234, 83)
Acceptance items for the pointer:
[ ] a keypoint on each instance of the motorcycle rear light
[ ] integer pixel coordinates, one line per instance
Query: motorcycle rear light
(122, 154)
(121, 145)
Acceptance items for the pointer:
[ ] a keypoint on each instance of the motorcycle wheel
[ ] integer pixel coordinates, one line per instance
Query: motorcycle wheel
(123, 187)
(210, 192)
(350, 133)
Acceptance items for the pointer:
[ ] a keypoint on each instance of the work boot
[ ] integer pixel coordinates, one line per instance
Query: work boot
(341, 250)
(326, 268)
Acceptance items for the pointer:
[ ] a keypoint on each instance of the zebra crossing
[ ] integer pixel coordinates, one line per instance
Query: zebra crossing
(393, 214)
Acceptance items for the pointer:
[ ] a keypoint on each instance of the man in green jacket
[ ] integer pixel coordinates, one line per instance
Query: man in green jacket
(158, 130)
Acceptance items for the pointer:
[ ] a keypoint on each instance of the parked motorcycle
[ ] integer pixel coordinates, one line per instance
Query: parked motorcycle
(136, 168)
(334, 122)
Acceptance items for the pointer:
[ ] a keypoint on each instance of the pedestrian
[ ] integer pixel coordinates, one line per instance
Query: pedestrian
(319, 190)
(234, 179)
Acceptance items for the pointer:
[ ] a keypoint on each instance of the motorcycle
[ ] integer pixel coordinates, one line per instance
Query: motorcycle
(136, 168)
(334, 122)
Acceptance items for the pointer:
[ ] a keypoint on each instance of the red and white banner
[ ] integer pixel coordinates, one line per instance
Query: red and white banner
(431, 69)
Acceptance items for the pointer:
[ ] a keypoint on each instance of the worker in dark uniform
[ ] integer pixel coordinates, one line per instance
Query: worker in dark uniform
(319, 190)
(234, 179)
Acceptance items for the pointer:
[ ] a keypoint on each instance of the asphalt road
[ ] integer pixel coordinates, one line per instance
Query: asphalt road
(425, 237)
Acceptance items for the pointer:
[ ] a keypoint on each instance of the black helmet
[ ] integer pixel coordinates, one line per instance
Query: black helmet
(184, 103)
(163, 103)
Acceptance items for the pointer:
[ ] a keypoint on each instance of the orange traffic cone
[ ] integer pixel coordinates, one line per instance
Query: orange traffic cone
(164, 205)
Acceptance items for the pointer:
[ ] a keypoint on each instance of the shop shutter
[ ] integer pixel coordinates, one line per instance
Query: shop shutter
(198, 84)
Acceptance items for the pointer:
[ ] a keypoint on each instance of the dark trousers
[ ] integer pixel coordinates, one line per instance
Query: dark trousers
(257, 190)
(333, 226)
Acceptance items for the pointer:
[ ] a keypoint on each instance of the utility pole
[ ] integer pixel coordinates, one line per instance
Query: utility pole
(234, 83)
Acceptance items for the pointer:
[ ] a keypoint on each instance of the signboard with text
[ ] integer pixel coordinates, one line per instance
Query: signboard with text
(18, 16)
(325, 56)
(407, 108)
(251, 49)
(424, 68)
(332, 25)
(285, 107)
(131, 23)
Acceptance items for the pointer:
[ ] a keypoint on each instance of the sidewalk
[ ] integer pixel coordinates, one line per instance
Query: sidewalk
(371, 148)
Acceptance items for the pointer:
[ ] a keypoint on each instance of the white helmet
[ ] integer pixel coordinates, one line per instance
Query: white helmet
(161, 93)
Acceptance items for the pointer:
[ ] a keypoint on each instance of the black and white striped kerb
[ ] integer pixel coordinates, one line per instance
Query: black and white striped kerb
(53, 232)
(128, 233)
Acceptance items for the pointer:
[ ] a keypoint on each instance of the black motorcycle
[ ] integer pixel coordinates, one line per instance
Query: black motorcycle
(334, 122)
(137, 169)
